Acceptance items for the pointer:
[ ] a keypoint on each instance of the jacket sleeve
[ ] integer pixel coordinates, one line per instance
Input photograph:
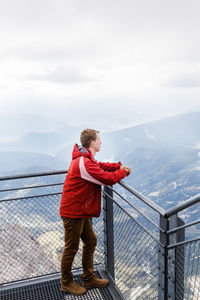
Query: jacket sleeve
(92, 172)
(109, 166)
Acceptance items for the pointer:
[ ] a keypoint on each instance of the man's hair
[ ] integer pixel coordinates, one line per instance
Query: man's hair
(87, 136)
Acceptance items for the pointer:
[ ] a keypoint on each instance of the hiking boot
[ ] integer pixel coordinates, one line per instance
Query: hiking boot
(95, 282)
(73, 288)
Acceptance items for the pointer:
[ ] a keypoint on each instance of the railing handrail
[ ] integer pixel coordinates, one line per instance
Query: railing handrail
(33, 175)
(186, 204)
(143, 198)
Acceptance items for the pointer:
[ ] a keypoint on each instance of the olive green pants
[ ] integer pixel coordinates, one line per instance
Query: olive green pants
(74, 230)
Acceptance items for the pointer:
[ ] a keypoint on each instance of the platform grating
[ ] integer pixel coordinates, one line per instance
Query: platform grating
(50, 290)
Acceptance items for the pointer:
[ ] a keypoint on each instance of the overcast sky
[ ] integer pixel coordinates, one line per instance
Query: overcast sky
(76, 59)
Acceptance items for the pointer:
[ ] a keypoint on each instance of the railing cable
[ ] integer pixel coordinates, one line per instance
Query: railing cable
(31, 187)
(131, 205)
(33, 175)
(147, 201)
(137, 222)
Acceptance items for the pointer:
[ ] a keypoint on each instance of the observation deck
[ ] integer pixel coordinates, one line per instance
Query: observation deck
(144, 251)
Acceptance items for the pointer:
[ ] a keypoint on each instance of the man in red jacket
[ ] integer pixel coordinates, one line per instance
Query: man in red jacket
(81, 200)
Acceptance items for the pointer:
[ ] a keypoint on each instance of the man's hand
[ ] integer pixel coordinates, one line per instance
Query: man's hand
(127, 168)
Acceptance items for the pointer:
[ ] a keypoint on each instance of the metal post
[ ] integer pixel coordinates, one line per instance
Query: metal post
(176, 260)
(108, 232)
(162, 260)
(171, 261)
(180, 260)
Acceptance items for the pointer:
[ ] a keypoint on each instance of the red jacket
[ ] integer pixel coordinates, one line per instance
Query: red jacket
(81, 196)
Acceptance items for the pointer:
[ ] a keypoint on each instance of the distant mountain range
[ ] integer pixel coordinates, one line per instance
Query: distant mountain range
(46, 137)
(164, 154)
(176, 131)
(13, 126)
(166, 176)
(26, 162)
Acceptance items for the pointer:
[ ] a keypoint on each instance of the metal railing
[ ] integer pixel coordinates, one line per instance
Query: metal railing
(31, 230)
(143, 247)
(152, 259)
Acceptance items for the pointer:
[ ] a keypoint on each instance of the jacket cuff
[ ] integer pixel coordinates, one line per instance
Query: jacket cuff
(120, 164)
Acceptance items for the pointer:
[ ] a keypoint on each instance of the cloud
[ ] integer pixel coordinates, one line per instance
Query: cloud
(61, 75)
(189, 80)
(126, 53)
(38, 53)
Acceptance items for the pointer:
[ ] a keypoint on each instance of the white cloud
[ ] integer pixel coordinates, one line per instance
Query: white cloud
(60, 74)
(141, 54)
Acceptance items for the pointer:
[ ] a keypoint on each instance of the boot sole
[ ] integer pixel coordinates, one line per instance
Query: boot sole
(76, 294)
(96, 287)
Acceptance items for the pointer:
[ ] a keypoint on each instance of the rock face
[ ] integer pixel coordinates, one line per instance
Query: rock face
(21, 255)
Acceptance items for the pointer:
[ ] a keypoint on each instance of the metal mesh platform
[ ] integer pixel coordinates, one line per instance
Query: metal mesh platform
(50, 290)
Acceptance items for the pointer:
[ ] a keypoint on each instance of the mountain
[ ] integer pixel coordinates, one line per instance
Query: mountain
(38, 142)
(176, 131)
(25, 261)
(167, 176)
(47, 142)
(19, 162)
(164, 154)
(15, 125)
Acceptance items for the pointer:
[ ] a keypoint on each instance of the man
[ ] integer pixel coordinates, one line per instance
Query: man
(81, 200)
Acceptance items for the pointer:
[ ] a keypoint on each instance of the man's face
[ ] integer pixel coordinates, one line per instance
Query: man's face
(97, 143)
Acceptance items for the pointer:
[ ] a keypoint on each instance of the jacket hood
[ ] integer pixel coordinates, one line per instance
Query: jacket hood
(80, 151)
